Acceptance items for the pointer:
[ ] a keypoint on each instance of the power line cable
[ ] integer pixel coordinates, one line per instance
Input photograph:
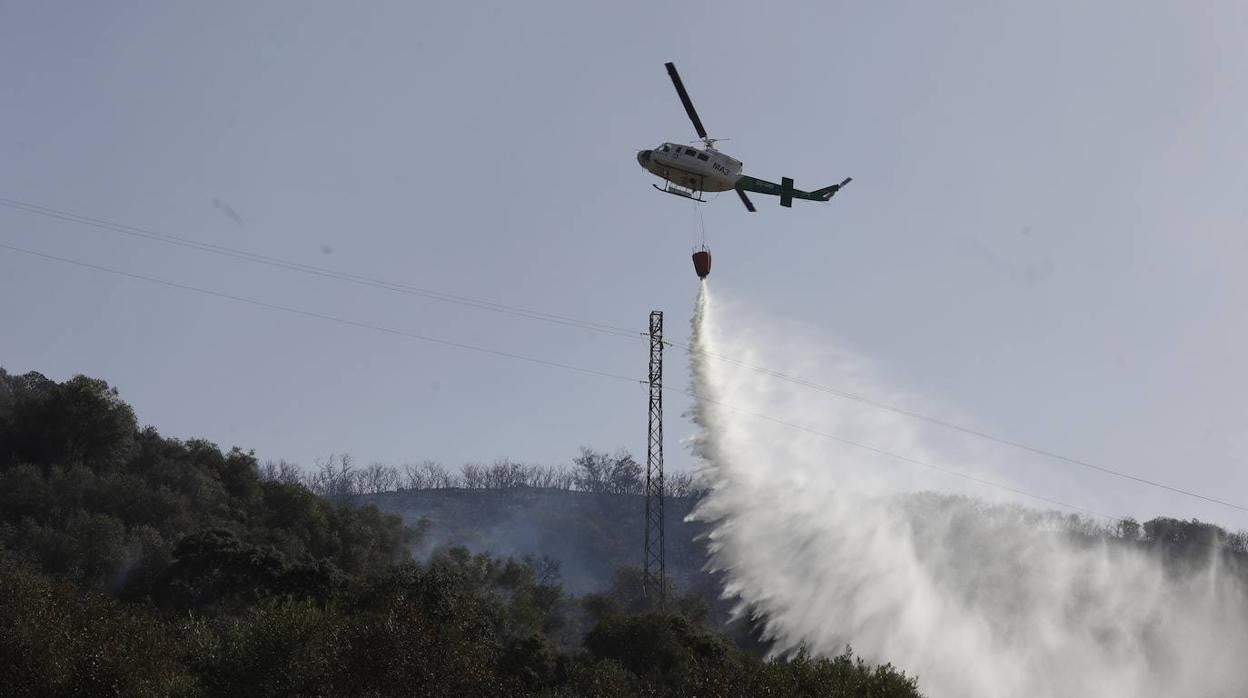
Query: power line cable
(582, 324)
(552, 364)
(956, 427)
(321, 316)
(224, 251)
(898, 456)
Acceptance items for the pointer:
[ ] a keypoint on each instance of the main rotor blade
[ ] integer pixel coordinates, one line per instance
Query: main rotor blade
(749, 205)
(684, 99)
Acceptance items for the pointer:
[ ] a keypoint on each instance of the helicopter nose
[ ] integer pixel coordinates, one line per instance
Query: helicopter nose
(643, 158)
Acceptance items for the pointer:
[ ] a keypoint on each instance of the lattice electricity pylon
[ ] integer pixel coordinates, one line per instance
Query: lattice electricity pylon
(654, 572)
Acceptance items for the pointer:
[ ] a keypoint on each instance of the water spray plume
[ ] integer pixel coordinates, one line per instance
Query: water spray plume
(832, 546)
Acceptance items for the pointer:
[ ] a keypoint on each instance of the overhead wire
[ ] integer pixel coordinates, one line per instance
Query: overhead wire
(320, 316)
(552, 365)
(586, 325)
(325, 272)
(535, 360)
(897, 456)
(956, 427)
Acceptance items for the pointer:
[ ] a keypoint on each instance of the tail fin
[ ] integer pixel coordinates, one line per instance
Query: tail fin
(828, 192)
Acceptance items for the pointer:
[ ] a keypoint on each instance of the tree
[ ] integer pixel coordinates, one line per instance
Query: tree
(377, 478)
(1129, 529)
(599, 472)
(550, 476)
(215, 566)
(506, 474)
(472, 476)
(414, 477)
(437, 476)
(682, 484)
(57, 639)
(82, 420)
(281, 471)
(663, 649)
(334, 479)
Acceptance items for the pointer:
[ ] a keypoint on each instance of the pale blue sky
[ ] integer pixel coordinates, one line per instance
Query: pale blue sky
(1046, 227)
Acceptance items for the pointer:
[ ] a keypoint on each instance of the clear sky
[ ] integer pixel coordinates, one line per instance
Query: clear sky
(1046, 231)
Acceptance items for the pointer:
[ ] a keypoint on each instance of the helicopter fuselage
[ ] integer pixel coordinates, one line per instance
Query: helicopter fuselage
(695, 169)
(691, 171)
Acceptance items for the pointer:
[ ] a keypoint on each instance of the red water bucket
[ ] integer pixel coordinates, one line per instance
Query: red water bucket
(702, 262)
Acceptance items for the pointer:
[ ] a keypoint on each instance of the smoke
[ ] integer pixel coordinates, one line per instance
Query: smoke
(833, 544)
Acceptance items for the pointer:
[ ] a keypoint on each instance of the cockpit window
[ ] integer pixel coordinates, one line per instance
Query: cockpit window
(665, 148)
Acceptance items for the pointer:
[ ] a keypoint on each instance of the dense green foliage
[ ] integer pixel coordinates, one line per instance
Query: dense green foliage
(134, 564)
(87, 494)
(461, 625)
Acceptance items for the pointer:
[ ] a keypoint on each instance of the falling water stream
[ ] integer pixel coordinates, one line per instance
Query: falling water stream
(976, 598)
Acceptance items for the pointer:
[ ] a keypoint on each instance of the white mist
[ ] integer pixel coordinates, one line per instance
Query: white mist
(834, 545)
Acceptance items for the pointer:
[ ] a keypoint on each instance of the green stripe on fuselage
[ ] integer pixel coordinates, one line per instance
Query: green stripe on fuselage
(761, 186)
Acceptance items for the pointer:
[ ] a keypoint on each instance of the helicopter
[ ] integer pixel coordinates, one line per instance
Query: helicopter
(689, 172)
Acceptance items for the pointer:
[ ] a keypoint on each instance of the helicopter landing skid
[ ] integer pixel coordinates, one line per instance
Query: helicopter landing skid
(677, 191)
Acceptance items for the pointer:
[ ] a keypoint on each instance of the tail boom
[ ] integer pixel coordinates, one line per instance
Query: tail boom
(785, 189)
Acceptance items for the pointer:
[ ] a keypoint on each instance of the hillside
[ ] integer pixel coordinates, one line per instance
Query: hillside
(139, 565)
(136, 564)
(591, 534)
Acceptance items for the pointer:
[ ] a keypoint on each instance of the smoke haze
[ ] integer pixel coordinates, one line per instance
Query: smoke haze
(834, 544)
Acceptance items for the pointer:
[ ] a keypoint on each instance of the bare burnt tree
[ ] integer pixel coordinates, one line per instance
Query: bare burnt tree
(678, 484)
(599, 472)
(438, 477)
(564, 478)
(625, 475)
(392, 479)
(377, 478)
(506, 474)
(334, 478)
(472, 476)
(413, 477)
(546, 569)
(592, 470)
(267, 471)
(494, 477)
(281, 471)
(550, 477)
